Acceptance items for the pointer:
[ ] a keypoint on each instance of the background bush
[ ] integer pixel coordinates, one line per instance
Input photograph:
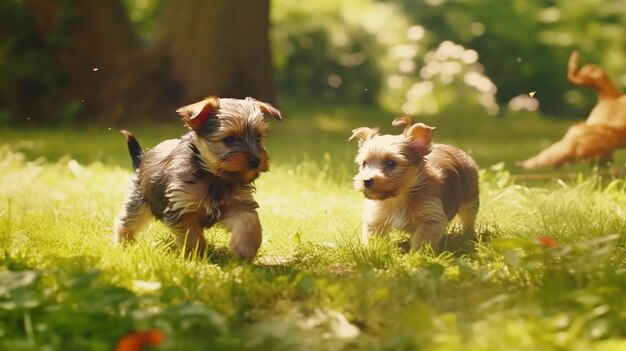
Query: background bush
(524, 45)
(370, 51)
(416, 57)
(427, 57)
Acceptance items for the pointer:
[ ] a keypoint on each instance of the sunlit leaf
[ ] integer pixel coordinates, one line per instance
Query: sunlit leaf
(12, 280)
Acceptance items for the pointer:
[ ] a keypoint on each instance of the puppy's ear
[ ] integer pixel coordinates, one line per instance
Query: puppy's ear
(421, 138)
(362, 134)
(195, 115)
(269, 109)
(403, 122)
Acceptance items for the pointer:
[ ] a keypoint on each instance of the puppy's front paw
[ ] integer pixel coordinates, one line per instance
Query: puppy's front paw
(428, 233)
(246, 234)
(122, 235)
(245, 252)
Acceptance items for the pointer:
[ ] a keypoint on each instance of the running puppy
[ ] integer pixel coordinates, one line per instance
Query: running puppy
(414, 185)
(203, 178)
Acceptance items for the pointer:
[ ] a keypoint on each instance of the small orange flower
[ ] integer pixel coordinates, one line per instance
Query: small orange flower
(135, 341)
(547, 241)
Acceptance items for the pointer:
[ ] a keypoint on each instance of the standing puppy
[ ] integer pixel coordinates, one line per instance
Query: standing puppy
(203, 178)
(412, 184)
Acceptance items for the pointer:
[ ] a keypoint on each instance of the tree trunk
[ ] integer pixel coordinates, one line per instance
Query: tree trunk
(105, 70)
(217, 47)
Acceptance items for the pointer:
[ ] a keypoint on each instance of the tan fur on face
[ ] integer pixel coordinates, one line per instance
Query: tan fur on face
(231, 161)
(424, 189)
(372, 158)
(236, 167)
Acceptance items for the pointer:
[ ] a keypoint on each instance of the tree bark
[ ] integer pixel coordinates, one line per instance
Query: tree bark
(100, 55)
(217, 47)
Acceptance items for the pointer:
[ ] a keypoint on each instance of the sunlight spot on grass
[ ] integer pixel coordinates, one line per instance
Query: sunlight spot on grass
(274, 260)
(146, 286)
(75, 167)
(331, 125)
(334, 321)
(329, 244)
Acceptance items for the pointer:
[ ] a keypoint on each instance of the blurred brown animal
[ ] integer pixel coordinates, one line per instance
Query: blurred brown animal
(600, 134)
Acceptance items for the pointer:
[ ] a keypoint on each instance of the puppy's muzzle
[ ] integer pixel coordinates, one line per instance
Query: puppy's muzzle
(368, 183)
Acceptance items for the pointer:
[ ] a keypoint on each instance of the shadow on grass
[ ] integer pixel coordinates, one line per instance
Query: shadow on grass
(461, 244)
(344, 257)
(214, 253)
(457, 242)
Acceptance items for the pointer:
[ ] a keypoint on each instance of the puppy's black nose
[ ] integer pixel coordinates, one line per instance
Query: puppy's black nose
(254, 161)
(368, 182)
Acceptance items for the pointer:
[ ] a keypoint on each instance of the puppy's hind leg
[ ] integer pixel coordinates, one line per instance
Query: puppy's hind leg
(133, 216)
(428, 232)
(556, 155)
(189, 234)
(467, 215)
(372, 230)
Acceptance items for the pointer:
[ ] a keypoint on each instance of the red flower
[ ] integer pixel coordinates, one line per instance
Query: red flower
(547, 241)
(135, 341)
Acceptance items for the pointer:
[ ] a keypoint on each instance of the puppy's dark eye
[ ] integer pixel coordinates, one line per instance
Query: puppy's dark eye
(229, 140)
(390, 164)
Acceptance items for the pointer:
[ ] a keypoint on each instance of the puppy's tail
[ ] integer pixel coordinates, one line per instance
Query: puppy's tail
(136, 153)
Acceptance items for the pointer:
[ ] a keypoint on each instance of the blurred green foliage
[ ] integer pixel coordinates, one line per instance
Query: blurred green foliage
(321, 51)
(524, 44)
(437, 55)
(370, 51)
(417, 57)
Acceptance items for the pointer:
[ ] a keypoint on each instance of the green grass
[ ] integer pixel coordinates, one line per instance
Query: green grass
(64, 286)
